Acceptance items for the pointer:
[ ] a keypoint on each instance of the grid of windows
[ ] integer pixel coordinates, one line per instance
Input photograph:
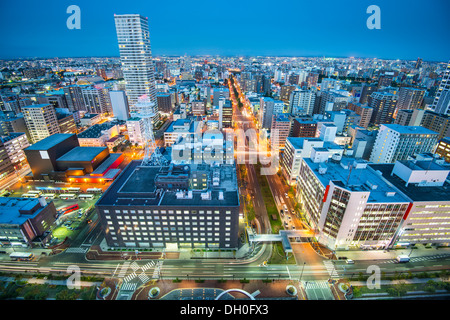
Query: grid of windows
(199, 228)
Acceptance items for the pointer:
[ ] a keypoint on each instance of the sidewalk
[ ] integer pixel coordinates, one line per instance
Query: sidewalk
(271, 290)
(50, 282)
(36, 251)
(390, 282)
(391, 254)
(101, 252)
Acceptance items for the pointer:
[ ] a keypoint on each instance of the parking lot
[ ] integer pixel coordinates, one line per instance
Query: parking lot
(69, 225)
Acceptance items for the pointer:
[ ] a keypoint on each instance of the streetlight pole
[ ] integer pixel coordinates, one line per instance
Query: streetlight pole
(301, 274)
(412, 247)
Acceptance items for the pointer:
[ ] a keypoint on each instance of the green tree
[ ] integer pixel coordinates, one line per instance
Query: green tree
(397, 290)
(66, 294)
(250, 209)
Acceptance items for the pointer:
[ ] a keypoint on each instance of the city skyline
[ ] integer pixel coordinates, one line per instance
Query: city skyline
(237, 30)
(219, 166)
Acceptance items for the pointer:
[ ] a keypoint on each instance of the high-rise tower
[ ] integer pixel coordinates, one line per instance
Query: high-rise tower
(135, 53)
(441, 102)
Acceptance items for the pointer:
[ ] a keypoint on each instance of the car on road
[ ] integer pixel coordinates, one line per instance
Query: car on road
(289, 218)
(349, 261)
(286, 224)
(286, 195)
(402, 258)
(293, 227)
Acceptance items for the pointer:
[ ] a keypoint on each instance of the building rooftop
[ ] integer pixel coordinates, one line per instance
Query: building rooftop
(297, 142)
(96, 130)
(82, 154)
(409, 129)
(36, 106)
(11, 136)
(138, 186)
(90, 115)
(106, 163)
(50, 141)
(12, 210)
(182, 125)
(413, 191)
(359, 179)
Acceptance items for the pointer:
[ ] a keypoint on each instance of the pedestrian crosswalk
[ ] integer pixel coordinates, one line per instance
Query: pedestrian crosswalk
(130, 277)
(149, 265)
(128, 286)
(157, 271)
(316, 285)
(139, 272)
(331, 269)
(77, 250)
(123, 269)
(143, 277)
(423, 258)
(317, 290)
(134, 266)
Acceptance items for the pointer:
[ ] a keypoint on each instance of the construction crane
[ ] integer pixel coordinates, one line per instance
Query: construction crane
(145, 109)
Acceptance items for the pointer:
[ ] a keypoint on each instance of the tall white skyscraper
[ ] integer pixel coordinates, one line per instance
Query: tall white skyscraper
(135, 53)
(441, 103)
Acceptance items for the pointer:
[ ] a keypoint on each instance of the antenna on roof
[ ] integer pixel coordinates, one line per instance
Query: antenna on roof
(348, 178)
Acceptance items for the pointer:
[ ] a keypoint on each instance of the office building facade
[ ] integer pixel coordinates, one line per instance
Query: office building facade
(395, 142)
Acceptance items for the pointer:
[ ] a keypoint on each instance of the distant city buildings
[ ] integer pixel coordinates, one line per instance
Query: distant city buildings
(301, 102)
(41, 121)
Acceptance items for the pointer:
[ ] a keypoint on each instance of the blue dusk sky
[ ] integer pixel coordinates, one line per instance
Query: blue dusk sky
(331, 28)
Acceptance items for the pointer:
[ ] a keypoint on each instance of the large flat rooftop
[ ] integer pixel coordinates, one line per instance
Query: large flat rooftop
(297, 142)
(136, 186)
(82, 154)
(50, 141)
(416, 193)
(96, 130)
(409, 129)
(10, 210)
(356, 180)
